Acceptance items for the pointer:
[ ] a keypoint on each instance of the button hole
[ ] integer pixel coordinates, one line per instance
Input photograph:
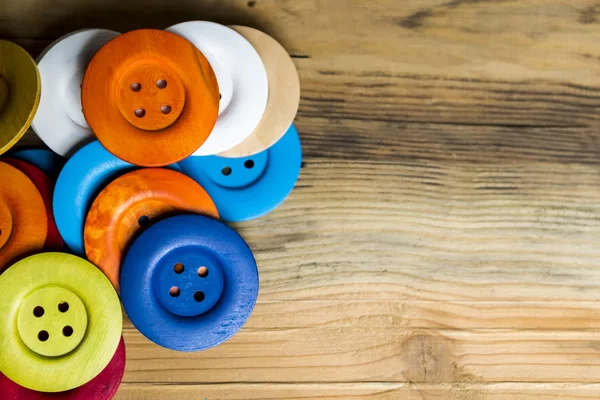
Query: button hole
(67, 331)
(63, 307)
(249, 164)
(38, 311)
(136, 87)
(140, 112)
(199, 296)
(43, 336)
(165, 109)
(143, 221)
(178, 268)
(161, 83)
(174, 291)
(202, 272)
(226, 171)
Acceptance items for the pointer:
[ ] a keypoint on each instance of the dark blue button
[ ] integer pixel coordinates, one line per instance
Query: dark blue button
(249, 187)
(46, 160)
(189, 282)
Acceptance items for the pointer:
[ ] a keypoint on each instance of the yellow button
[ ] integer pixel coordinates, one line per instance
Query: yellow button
(52, 321)
(60, 322)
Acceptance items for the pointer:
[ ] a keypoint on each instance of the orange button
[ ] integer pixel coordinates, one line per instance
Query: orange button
(151, 97)
(154, 100)
(130, 203)
(23, 220)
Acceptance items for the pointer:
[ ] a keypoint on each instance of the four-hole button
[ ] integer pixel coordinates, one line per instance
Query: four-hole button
(52, 321)
(189, 284)
(151, 96)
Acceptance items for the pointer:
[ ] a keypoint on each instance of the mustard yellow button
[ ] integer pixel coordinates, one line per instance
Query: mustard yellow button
(20, 89)
(60, 322)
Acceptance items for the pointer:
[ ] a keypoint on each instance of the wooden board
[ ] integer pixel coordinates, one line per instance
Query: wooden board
(442, 240)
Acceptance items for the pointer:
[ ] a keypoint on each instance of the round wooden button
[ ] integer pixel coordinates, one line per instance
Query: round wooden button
(82, 178)
(284, 94)
(151, 97)
(189, 282)
(59, 121)
(19, 93)
(23, 219)
(242, 78)
(102, 387)
(46, 160)
(45, 186)
(60, 322)
(249, 187)
(130, 203)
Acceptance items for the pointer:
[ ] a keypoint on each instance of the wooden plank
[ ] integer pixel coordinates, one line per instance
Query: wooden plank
(366, 354)
(460, 37)
(371, 391)
(513, 232)
(437, 315)
(432, 342)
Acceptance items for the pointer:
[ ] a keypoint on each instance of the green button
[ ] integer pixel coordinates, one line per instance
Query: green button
(52, 321)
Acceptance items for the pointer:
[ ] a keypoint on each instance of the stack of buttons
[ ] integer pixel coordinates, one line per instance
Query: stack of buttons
(157, 139)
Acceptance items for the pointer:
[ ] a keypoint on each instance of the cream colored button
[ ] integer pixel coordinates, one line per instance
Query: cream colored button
(284, 95)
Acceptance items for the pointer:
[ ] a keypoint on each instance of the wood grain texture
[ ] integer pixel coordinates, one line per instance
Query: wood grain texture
(150, 97)
(448, 200)
(131, 202)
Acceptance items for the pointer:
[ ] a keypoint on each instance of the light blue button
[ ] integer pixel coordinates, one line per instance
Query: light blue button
(249, 187)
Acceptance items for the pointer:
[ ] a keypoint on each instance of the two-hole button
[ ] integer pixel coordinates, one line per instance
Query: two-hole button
(52, 321)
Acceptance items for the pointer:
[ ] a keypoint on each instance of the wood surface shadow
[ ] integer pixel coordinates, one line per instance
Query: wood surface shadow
(124, 16)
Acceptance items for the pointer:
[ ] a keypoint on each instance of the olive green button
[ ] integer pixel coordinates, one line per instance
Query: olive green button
(3, 93)
(52, 321)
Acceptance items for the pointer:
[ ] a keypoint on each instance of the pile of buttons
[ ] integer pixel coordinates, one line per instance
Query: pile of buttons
(156, 139)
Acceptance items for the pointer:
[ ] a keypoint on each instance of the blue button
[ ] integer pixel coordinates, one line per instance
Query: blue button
(249, 187)
(81, 179)
(189, 282)
(46, 160)
(84, 175)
